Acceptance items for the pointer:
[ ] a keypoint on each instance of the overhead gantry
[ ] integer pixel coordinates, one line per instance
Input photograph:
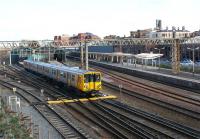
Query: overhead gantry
(174, 43)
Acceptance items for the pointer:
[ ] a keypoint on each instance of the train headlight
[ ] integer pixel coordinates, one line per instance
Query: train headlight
(86, 86)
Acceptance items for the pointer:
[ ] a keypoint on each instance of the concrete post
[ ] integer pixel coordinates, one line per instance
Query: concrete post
(135, 62)
(86, 56)
(112, 57)
(176, 56)
(121, 59)
(49, 54)
(81, 57)
(10, 57)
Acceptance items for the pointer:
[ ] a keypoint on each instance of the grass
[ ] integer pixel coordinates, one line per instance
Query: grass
(11, 126)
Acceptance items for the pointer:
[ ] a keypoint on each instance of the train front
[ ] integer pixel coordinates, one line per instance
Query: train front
(92, 82)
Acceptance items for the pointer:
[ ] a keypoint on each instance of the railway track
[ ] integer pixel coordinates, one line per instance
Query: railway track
(55, 97)
(18, 73)
(194, 100)
(159, 120)
(174, 106)
(107, 116)
(56, 119)
(166, 105)
(114, 123)
(188, 99)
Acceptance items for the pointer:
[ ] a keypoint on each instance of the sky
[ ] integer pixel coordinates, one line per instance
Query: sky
(43, 19)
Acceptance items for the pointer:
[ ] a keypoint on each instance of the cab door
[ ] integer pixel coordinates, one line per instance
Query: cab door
(91, 81)
(68, 79)
(97, 79)
(80, 83)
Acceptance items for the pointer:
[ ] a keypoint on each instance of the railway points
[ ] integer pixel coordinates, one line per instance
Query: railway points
(103, 118)
(61, 101)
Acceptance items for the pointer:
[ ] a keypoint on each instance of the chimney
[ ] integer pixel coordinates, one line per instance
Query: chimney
(158, 24)
(183, 28)
(55, 38)
(173, 28)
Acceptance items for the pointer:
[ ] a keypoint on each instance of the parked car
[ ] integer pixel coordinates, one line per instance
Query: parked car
(186, 62)
(197, 62)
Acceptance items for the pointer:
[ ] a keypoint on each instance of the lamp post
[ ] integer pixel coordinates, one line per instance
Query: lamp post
(193, 50)
(10, 57)
(159, 53)
(49, 53)
(120, 92)
(86, 52)
(33, 51)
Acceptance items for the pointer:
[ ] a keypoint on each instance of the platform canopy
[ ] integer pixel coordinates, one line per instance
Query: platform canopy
(113, 54)
(138, 56)
(148, 56)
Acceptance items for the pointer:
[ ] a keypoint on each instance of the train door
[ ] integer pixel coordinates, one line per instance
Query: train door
(58, 75)
(86, 82)
(80, 82)
(68, 79)
(73, 80)
(91, 81)
(97, 81)
(65, 77)
(62, 76)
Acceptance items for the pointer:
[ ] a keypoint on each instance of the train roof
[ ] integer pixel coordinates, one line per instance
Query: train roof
(60, 67)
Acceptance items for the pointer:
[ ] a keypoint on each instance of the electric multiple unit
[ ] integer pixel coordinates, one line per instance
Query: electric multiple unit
(82, 80)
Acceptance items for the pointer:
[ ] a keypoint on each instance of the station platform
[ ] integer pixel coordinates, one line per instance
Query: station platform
(183, 79)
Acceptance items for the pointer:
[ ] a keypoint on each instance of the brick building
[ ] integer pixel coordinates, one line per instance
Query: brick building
(82, 36)
(140, 33)
(61, 40)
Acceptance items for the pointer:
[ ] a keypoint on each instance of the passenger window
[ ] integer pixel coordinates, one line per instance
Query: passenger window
(65, 75)
(62, 74)
(73, 77)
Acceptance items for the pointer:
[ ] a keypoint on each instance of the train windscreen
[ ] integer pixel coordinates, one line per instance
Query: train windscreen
(92, 78)
(97, 77)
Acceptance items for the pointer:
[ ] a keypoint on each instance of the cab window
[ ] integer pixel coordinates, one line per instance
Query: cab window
(86, 78)
(97, 77)
(91, 77)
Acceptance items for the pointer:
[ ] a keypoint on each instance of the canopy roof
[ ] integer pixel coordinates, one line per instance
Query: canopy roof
(148, 56)
(139, 56)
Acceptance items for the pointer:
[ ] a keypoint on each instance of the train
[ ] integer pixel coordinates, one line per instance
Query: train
(83, 81)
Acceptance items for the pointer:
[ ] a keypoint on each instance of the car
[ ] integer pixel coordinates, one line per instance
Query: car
(197, 62)
(186, 62)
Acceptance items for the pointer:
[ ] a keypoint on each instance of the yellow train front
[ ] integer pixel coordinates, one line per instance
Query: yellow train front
(89, 82)
(84, 81)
